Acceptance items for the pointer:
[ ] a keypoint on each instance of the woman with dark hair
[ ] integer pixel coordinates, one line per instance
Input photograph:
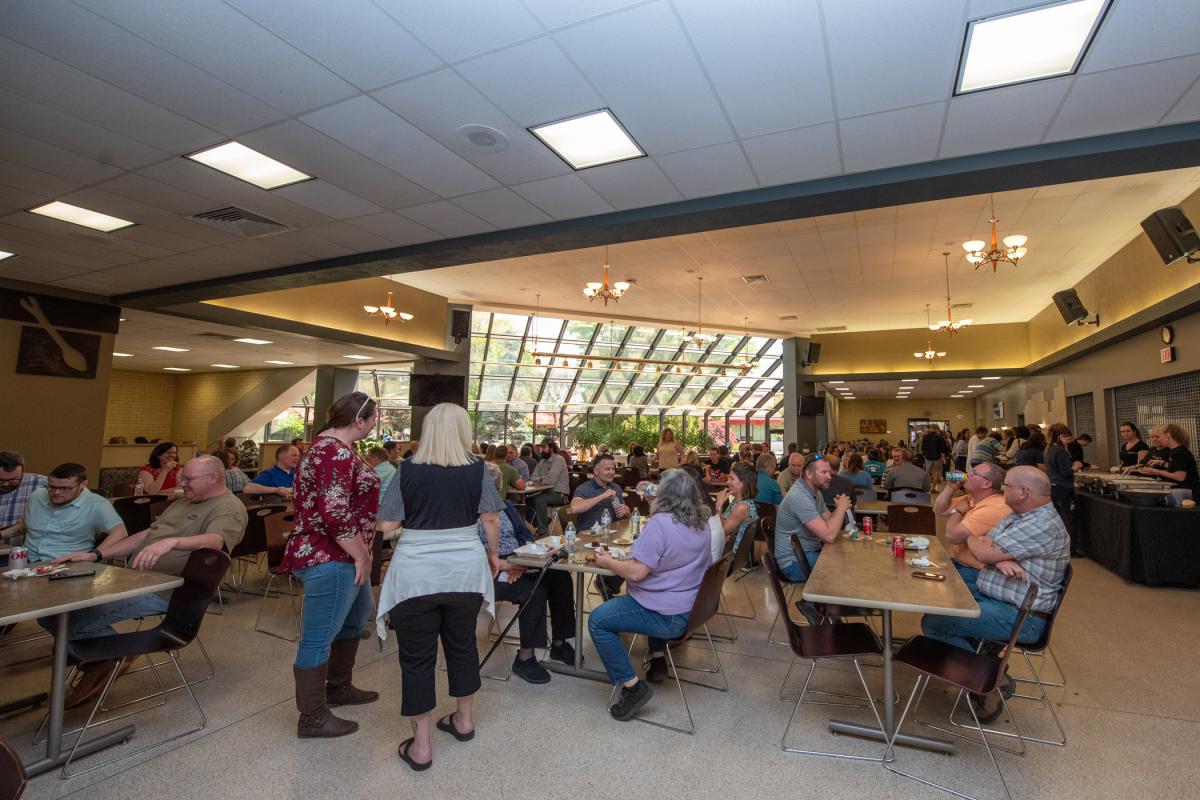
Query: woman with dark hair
(1133, 450)
(856, 471)
(1020, 434)
(735, 504)
(959, 450)
(1062, 478)
(638, 460)
(336, 494)
(1032, 452)
(161, 472)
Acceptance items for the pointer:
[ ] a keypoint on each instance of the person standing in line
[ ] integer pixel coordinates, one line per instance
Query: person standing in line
(669, 452)
(336, 494)
(1061, 473)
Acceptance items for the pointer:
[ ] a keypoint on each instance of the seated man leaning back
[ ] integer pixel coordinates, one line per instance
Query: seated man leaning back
(207, 516)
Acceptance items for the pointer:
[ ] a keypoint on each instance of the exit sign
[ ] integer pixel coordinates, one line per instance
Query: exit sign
(1166, 355)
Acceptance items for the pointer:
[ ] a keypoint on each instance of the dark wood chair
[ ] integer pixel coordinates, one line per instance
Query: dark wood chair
(254, 540)
(138, 512)
(13, 779)
(974, 672)
(276, 529)
(903, 518)
(851, 640)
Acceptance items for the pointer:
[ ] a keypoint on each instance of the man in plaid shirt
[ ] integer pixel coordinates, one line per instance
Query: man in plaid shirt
(1031, 544)
(15, 487)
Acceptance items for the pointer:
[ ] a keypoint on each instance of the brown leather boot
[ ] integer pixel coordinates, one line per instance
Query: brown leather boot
(316, 720)
(339, 691)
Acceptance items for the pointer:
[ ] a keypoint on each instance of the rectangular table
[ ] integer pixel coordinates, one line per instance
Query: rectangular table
(33, 598)
(865, 574)
(619, 529)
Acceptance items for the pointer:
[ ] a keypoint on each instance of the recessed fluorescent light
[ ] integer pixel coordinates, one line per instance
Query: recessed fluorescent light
(173, 349)
(834, 382)
(358, 358)
(5, 254)
(956, 396)
(253, 341)
(176, 369)
(909, 380)
(123, 355)
(249, 165)
(991, 378)
(281, 363)
(81, 216)
(1028, 45)
(975, 386)
(225, 366)
(588, 140)
(123, 319)
(966, 391)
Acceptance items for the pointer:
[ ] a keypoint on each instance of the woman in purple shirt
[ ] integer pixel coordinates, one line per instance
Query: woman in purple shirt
(664, 570)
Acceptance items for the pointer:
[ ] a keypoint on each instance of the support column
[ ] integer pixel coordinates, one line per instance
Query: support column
(332, 383)
(808, 432)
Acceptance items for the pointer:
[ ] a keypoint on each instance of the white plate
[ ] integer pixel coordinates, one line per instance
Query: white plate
(916, 543)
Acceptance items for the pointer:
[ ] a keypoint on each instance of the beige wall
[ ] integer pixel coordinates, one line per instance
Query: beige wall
(340, 306)
(978, 347)
(898, 413)
(200, 397)
(140, 404)
(50, 421)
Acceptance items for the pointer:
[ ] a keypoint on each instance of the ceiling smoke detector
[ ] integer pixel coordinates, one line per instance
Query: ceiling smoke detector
(483, 138)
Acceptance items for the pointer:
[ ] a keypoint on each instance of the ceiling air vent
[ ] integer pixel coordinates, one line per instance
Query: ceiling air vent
(240, 222)
(832, 329)
(788, 318)
(753, 279)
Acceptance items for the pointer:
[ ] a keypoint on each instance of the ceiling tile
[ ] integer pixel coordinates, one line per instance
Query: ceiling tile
(35, 154)
(224, 43)
(888, 55)
(395, 227)
(532, 82)
(355, 39)
(557, 13)
(786, 84)
(459, 29)
(618, 52)
(447, 219)
(631, 184)
(35, 181)
(983, 121)
(871, 142)
(1188, 107)
(358, 239)
(1147, 92)
(36, 270)
(708, 170)
(564, 197)
(503, 208)
(441, 102)
(1137, 31)
(377, 133)
(328, 199)
(794, 156)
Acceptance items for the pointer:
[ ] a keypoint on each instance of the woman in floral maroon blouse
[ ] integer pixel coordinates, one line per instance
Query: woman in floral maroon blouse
(337, 495)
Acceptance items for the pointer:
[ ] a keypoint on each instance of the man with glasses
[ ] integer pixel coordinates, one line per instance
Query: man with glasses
(206, 517)
(1030, 544)
(65, 517)
(280, 478)
(16, 486)
(974, 512)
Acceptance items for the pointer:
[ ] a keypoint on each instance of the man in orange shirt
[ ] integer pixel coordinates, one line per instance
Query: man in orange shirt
(975, 512)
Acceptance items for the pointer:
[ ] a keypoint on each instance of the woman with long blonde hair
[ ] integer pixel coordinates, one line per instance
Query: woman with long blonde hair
(669, 450)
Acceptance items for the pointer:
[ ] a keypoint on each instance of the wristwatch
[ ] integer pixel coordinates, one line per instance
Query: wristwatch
(99, 555)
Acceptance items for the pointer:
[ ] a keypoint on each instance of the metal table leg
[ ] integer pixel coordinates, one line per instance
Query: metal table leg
(55, 757)
(889, 711)
(577, 669)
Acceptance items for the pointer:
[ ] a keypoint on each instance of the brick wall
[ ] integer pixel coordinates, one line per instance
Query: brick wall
(202, 396)
(140, 404)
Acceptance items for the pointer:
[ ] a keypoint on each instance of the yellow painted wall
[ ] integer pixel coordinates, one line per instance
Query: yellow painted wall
(140, 404)
(960, 413)
(978, 347)
(202, 396)
(340, 306)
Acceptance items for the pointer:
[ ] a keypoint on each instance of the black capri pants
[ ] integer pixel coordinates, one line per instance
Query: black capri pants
(418, 623)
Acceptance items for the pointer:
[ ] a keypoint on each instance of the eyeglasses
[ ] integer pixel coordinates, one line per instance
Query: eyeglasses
(10, 481)
(71, 488)
(186, 479)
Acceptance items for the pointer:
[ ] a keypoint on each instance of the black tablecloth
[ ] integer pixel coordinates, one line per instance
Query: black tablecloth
(1150, 545)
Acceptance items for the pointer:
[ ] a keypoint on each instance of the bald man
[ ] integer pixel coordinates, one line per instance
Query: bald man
(206, 517)
(1030, 544)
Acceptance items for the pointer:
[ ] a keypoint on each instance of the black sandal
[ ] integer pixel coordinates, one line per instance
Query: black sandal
(446, 724)
(402, 751)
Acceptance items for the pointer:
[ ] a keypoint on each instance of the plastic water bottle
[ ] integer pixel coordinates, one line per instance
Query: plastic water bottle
(139, 489)
(569, 537)
(605, 519)
(851, 526)
(635, 523)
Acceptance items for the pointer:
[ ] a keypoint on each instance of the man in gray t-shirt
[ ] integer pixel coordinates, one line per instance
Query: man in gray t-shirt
(592, 498)
(803, 513)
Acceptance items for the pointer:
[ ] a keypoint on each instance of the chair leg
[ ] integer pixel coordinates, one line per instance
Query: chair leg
(749, 599)
(1041, 697)
(292, 599)
(791, 592)
(800, 700)
(714, 670)
(691, 728)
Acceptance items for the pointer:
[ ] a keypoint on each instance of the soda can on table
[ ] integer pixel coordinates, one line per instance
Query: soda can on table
(868, 525)
(898, 547)
(18, 557)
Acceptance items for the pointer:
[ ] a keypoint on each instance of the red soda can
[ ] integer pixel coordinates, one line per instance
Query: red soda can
(898, 547)
(868, 525)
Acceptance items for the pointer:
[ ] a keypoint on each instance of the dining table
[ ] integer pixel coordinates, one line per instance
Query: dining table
(618, 536)
(31, 598)
(864, 573)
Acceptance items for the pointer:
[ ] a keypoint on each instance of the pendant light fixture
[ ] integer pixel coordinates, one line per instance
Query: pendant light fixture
(949, 325)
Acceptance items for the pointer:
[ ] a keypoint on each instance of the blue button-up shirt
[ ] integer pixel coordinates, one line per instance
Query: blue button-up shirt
(54, 530)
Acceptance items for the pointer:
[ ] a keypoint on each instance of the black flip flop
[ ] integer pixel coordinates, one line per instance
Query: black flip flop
(446, 724)
(402, 751)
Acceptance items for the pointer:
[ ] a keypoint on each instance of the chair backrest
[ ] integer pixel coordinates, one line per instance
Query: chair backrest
(741, 557)
(565, 515)
(801, 558)
(1043, 641)
(276, 529)
(254, 540)
(633, 500)
(201, 575)
(630, 477)
(775, 580)
(767, 509)
(911, 519)
(708, 598)
(910, 496)
(12, 773)
(135, 511)
(122, 489)
(863, 494)
(1022, 613)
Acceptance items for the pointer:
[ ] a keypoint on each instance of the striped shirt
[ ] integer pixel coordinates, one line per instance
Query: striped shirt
(14, 503)
(1038, 541)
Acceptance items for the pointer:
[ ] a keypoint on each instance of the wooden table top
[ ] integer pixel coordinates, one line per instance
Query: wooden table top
(31, 598)
(620, 528)
(865, 573)
(881, 506)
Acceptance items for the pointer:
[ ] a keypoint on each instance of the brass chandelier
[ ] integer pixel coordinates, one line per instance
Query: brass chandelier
(387, 311)
(602, 291)
(949, 324)
(929, 355)
(698, 337)
(1014, 247)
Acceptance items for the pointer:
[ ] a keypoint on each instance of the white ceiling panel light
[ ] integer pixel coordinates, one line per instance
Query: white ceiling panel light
(225, 366)
(253, 341)
(5, 254)
(589, 140)
(909, 380)
(956, 396)
(176, 369)
(1028, 45)
(975, 386)
(81, 216)
(249, 165)
(123, 355)
(358, 357)
(991, 378)
(280, 363)
(172, 349)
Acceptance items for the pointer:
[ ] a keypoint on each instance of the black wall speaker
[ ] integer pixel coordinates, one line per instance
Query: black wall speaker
(1171, 233)
(1069, 306)
(460, 325)
(813, 354)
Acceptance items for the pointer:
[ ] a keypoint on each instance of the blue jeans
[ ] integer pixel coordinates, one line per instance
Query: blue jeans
(792, 571)
(969, 574)
(624, 614)
(334, 608)
(994, 624)
(87, 623)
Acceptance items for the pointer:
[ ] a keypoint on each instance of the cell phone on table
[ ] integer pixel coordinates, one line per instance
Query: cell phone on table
(72, 573)
(929, 576)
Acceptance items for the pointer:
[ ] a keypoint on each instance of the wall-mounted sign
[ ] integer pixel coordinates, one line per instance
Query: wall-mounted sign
(52, 343)
(872, 426)
(1166, 355)
(998, 409)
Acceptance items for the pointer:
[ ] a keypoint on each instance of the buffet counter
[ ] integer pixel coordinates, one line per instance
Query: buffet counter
(1153, 545)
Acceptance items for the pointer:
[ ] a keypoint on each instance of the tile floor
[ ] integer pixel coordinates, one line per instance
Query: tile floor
(1131, 709)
